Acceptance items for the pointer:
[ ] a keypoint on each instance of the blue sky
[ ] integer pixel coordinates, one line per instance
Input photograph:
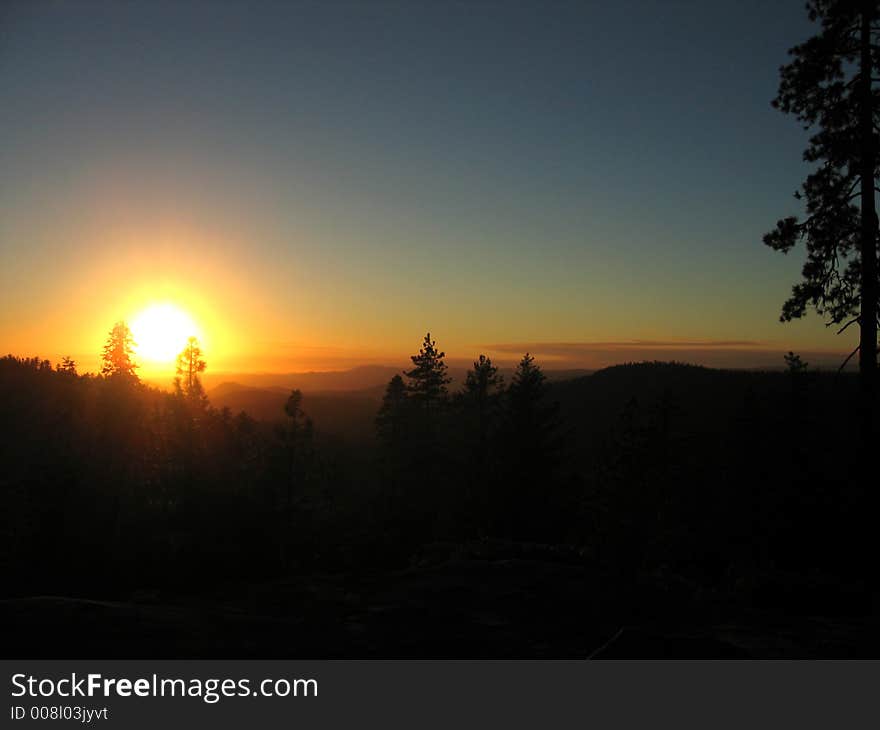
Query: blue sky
(497, 172)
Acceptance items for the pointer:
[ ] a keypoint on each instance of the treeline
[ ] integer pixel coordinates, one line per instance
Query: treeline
(109, 483)
(484, 460)
(719, 483)
(112, 483)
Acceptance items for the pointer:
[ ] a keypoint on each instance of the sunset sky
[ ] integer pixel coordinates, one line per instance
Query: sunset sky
(315, 185)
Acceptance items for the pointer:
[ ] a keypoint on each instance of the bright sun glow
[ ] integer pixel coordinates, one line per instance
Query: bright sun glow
(161, 331)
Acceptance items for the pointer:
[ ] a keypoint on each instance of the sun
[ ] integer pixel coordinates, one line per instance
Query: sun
(160, 332)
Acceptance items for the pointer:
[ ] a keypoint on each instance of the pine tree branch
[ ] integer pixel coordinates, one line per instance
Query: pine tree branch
(857, 181)
(848, 358)
(851, 322)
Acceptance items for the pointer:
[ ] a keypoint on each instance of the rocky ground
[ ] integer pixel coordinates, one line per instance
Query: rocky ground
(466, 608)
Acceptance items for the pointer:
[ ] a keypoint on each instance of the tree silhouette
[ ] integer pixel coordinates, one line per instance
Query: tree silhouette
(189, 365)
(526, 388)
(68, 365)
(297, 421)
(532, 421)
(481, 383)
(391, 418)
(296, 434)
(795, 364)
(118, 354)
(479, 396)
(531, 441)
(393, 430)
(428, 379)
(829, 87)
(710, 484)
(478, 403)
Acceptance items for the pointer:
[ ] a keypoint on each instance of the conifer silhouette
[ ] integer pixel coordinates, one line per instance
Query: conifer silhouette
(68, 365)
(118, 354)
(390, 420)
(189, 365)
(296, 434)
(829, 86)
(428, 379)
(531, 442)
(483, 386)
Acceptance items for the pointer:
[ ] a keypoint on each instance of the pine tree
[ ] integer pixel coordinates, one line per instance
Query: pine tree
(393, 427)
(478, 418)
(296, 434)
(428, 379)
(532, 443)
(482, 386)
(482, 382)
(532, 421)
(829, 86)
(68, 365)
(391, 419)
(189, 365)
(118, 354)
(526, 391)
(299, 425)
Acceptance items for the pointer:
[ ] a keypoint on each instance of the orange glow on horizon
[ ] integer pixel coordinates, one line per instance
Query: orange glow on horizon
(169, 279)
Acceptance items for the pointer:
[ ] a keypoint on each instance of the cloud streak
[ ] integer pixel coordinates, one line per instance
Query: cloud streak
(575, 347)
(712, 353)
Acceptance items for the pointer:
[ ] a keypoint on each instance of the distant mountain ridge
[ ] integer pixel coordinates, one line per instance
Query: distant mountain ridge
(592, 400)
(354, 379)
(361, 378)
(343, 403)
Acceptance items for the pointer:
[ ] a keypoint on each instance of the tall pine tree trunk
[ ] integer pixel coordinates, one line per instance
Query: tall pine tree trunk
(868, 286)
(868, 316)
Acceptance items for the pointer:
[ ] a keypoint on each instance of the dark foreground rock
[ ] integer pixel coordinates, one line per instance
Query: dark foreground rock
(458, 609)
